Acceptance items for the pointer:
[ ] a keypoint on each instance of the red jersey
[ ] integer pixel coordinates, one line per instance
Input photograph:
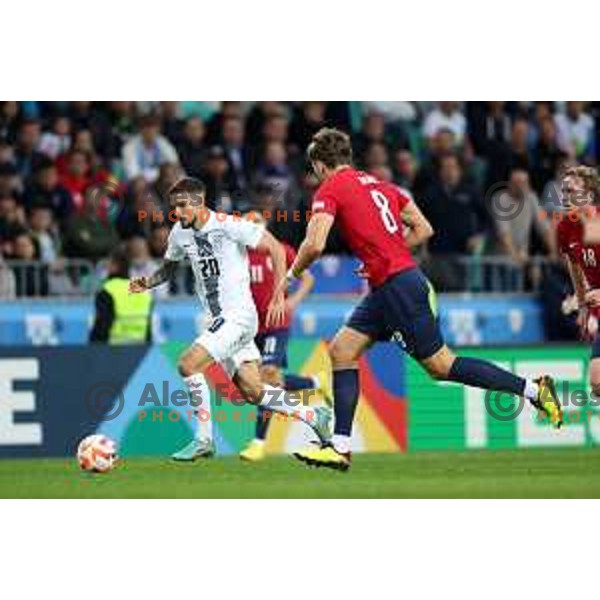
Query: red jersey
(262, 283)
(569, 235)
(368, 212)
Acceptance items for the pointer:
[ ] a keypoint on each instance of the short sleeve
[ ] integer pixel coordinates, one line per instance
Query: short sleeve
(244, 231)
(403, 197)
(563, 238)
(325, 201)
(175, 251)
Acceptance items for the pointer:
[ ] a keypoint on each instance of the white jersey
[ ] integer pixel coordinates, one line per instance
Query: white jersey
(218, 257)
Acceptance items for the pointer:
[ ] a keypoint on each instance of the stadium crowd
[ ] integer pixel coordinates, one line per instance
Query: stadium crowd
(73, 175)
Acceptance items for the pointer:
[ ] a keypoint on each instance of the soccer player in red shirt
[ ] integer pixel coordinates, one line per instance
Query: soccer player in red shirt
(272, 342)
(371, 215)
(581, 194)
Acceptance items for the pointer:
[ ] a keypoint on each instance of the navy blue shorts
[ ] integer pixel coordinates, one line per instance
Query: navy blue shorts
(403, 310)
(273, 346)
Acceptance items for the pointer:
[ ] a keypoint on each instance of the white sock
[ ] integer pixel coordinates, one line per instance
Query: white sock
(201, 392)
(316, 382)
(341, 443)
(278, 400)
(531, 389)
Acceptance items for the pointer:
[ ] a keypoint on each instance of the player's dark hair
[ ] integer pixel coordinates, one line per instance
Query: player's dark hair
(186, 186)
(332, 147)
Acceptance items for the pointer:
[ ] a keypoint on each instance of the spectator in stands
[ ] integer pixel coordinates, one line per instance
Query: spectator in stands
(27, 157)
(502, 159)
(547, 155)
(157, 241)
(375, 156)
(405, 169)
(88, 234)
(393, 111)
(446, 116)
(43, 232)
(10, 183)
(76, 178)
(144, 153)
(192, 148)
(84, 116)
(58, 140)
(275, 173)
(440, 145)
(46, 191)
(457, 216)
(235, 151)
(489, 126)
(122, 118)
(373, 131)
(7, 281)
(575, 132)
(308, 118)
(172, 123)
(515, 234)
(12, 221)
(31, 279)
(259, 114)
(9, 120)
(217, 177)
(214, 128)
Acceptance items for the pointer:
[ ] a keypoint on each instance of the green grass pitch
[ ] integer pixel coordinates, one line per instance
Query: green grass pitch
(556, 473)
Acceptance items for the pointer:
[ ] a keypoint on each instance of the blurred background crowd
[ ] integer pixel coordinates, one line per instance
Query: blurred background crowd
(73, 176)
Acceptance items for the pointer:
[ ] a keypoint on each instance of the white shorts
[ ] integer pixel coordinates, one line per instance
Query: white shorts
(230, 340)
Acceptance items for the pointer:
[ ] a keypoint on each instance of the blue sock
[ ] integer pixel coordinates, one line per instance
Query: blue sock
(345, 393)
(262, 424)
(484, 374)
(298, 382)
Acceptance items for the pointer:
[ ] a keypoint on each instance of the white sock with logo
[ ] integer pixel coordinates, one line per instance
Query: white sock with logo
(287, 403)
(531, 389)
(201, 393)
(341, 443)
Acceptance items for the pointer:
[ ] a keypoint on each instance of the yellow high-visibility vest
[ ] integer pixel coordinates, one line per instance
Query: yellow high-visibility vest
(132, 312)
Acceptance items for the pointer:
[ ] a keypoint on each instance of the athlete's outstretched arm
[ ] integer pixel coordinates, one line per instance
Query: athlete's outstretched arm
(269, 244)
(307, 282)
(420, 228)
(163, 273)
(314, 242)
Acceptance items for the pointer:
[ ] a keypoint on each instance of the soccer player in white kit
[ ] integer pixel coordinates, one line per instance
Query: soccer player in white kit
(215, 245)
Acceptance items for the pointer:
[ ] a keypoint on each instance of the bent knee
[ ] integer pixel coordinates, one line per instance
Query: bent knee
(186, 366)
(271, 374)
(595, 385)
(341, 355)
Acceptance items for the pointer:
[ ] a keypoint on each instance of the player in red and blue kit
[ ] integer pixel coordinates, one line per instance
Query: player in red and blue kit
(273, 342)
(581, 195)
(400, 306)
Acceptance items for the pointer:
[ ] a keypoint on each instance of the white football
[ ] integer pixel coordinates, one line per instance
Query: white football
(97, 453)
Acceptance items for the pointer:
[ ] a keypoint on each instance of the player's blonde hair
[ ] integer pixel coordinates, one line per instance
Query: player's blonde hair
(589, 176)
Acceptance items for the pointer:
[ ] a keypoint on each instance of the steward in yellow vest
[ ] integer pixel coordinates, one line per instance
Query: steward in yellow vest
(121, 317)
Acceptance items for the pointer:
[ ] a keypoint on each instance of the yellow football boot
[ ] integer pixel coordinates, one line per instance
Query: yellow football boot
(327, 456)
(254, 451)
